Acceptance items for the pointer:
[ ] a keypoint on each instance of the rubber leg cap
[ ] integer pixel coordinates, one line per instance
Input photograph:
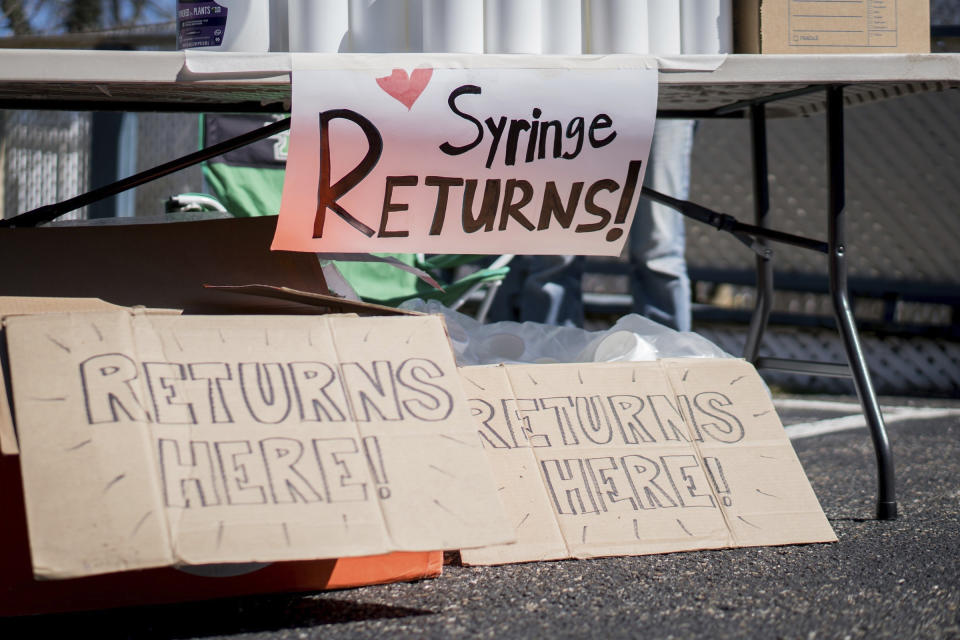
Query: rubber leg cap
(886, 511)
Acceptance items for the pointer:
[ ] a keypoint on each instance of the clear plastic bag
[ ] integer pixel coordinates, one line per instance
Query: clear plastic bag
(632, 338)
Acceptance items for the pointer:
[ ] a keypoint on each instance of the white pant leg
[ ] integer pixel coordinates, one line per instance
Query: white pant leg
(660, 284)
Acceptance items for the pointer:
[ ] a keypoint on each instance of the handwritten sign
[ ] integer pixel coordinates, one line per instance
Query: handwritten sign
(157, 440)
(637, 458)
(442, 160)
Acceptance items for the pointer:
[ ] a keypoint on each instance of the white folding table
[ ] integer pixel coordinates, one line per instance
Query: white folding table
(743, 86)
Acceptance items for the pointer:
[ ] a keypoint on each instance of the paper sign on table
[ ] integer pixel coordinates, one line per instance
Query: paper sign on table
(155, 440)
(638, 458)
(442, 160)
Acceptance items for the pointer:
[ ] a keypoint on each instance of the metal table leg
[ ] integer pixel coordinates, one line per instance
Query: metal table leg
(756, 237)
(886, 495)
(761, 207)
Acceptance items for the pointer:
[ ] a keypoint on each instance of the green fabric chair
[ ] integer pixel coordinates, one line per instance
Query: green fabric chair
(249, 182)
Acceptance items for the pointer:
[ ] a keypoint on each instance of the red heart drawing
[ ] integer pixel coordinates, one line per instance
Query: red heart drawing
(405, 88)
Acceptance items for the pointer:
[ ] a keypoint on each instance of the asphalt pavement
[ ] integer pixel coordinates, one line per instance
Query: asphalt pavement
(892, 579)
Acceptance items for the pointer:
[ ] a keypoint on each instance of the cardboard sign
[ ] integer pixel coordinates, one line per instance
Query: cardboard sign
(638, 458)
(444, 160)
(148, 440)
(308, 300)
(12, 305)
(21, 594)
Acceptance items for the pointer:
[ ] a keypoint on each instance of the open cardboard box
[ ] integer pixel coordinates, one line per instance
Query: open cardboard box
(78, 528)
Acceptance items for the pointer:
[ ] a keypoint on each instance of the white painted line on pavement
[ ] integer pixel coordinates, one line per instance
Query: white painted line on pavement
(830, 405)
(857, 421)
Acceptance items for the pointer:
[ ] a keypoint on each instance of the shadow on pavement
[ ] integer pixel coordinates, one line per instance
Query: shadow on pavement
(204, 619)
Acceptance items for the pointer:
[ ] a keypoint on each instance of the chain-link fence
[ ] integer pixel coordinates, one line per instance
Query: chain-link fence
(45, 158)
(161, 138)
(903, 234)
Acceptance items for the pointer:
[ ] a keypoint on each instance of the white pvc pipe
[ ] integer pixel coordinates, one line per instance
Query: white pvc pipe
(414, 25)
(664, 30)
(512, 26)
(453, 26)
(618, 26)
(279, 26)
(319, 25)
(378, 26)
(562, 24)
(706, 26)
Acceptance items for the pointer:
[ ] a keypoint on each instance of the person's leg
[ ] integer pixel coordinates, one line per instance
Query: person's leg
(506, 302)
(551, 292)
(659, 283)
(544, 289)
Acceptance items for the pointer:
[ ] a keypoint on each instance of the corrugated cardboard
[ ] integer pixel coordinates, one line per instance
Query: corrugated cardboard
(321, 302)
(832, 26)
(157, 265)
(28, 305)
(167, 265)
(639, 458)
(21, 594)
(312, 303)
(161, 440)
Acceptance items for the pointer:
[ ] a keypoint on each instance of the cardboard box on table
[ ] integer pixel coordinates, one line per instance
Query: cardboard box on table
(82, 523)
(801, 26)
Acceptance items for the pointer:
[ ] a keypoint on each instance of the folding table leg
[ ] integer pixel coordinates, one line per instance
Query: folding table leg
(761, 206)
(886, 496)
